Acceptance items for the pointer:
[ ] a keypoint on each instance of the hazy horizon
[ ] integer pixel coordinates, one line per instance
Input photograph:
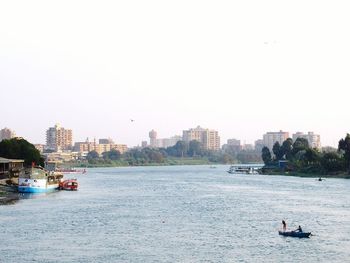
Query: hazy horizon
(242, 68)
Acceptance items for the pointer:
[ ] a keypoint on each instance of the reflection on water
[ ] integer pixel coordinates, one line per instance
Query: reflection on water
(179, 214)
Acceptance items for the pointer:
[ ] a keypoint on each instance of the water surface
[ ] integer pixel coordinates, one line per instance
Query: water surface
(179, 214)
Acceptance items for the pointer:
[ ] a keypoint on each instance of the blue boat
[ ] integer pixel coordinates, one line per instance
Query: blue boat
(38, 180)
(294, 234)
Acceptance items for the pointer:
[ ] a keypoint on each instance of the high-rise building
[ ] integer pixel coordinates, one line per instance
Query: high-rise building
(6, 134)
(313, 139)
(270, 138)
(153, 138)
(209, 139)
(58, 138)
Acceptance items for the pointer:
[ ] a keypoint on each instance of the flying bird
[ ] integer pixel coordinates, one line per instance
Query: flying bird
(132, 120)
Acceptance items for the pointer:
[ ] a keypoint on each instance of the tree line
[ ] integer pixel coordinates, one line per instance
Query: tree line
(181, 149)
(303, 158)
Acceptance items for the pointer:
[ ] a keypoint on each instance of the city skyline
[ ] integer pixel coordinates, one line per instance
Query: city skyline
(276, 136)
(242, 68)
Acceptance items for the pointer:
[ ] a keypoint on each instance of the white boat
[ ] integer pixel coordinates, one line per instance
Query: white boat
(38, 180)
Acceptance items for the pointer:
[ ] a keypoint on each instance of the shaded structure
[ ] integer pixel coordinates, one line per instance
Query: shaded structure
(10, 167)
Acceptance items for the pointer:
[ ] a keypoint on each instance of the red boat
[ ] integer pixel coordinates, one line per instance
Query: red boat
(69, 184)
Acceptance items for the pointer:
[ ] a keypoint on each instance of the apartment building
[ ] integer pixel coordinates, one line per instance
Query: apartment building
(270, 138)
(59, 138)
(313, 139)
(210, 139)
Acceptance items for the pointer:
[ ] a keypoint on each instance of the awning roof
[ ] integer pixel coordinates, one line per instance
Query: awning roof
(4, 160)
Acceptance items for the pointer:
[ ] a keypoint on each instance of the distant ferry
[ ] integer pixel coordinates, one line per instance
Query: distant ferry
(71, 171)
(38, 180)
(245, 169)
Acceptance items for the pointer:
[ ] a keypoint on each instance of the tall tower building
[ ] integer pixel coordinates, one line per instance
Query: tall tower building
(210, 139)
(6, 134)
(153, 138)
(58, 138)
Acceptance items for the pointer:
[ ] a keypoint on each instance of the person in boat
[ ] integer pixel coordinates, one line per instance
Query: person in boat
(298, 229)
(284, 226)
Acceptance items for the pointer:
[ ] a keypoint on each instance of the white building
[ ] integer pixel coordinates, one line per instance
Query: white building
(270, 138)
(313, 139)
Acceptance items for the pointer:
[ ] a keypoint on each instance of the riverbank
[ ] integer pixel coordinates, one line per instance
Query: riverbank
(125, 163)
(7, 194)
(309, 175)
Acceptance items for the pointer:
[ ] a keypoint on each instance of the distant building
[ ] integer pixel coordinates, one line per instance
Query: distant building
(248, 147)
(234, 142)
(85, 147)
(153, 138)
(168, 142)
(6, 134)
(233, 145)
(122, 148)
(40, 147)
(270, 138)
(106, 141)
(259, 144)
(144, 144)
(58, 138)
(163, 142)
(209, 139)
(313, 139)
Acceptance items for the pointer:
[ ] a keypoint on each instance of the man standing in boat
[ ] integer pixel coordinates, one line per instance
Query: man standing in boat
(284, 226)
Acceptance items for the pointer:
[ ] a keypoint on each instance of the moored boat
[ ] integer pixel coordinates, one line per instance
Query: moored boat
(38, 180)
(294, 234)
(71, 171)
(69, 184)
(245, 169)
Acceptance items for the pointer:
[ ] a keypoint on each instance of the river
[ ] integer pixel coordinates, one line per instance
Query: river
(179, 214)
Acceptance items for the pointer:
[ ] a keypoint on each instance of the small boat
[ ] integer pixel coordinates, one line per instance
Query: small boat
(294, 234)
(69, 184)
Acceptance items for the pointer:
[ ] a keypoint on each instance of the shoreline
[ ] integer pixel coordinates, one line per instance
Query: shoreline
(7, 195)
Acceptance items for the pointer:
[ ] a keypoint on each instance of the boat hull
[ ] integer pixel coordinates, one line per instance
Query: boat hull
(36, 186)
(69, 185)
(295, 234)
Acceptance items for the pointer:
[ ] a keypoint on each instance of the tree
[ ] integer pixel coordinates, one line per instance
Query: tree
(300, 144)
(21, 149)
(311, 156)
(344, 145)
(286, 148)
(332, 162)
(266, 155)
(181, 148)
(112, 155)
(93, 155)
(195, 148)
(277, 150)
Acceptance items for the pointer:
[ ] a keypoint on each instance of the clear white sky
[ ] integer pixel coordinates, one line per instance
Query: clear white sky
(240, 67)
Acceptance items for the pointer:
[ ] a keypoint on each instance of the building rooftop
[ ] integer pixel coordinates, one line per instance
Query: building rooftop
(5, 160)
